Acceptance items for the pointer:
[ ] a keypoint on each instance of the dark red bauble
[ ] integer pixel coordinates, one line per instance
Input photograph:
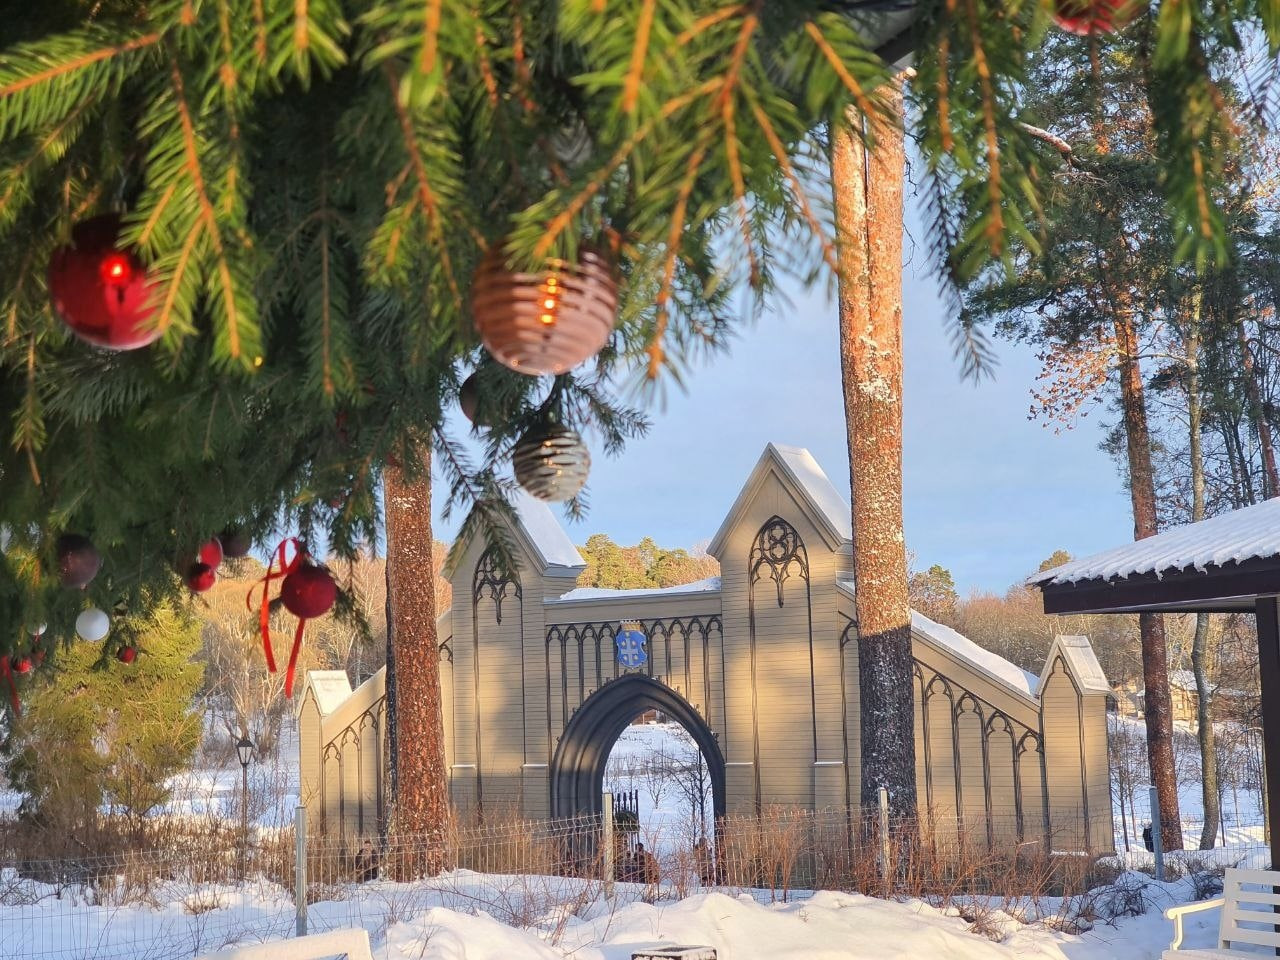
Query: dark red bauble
(127, 654)
(309, 591)
(101, 291)
(20, 664)
(1085, 17)
(211, 553)
(78, 560)
(235, 543)
(469, 397)
(200, 578)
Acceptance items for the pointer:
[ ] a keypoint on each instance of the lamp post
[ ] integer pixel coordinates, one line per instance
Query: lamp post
(244, 750)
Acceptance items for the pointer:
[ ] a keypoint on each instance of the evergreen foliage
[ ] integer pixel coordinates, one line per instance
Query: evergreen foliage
(313, 183)
(97, 731)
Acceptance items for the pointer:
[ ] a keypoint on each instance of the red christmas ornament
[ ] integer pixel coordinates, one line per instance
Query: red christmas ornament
(78, 560)
(127, 654)
(101, 291)
(201, 577)
(1085, 17)
(211, 553)
(20, 665)
(308, 591)
(235, 543)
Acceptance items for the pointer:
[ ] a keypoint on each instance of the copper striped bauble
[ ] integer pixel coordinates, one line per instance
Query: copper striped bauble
(552, 462)
(547, 322)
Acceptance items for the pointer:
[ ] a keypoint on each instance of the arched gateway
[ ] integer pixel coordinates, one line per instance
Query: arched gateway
(760, 665)
(578, 763)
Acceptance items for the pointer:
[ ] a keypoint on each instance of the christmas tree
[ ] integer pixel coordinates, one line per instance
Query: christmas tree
(304, 192)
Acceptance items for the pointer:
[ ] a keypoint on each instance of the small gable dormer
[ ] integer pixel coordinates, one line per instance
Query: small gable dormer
(786, 515)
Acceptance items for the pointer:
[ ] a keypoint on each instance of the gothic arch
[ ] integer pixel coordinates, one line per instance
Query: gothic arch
(577, 766)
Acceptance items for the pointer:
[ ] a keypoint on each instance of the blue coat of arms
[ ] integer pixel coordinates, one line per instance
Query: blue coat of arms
(631, 653)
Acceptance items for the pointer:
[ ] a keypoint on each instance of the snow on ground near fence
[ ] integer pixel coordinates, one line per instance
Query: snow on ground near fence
(829, 925)
(460, 917)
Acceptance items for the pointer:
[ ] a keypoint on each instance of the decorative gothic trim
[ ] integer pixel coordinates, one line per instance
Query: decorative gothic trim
(778, 546)
(494, 581)
(490, 579)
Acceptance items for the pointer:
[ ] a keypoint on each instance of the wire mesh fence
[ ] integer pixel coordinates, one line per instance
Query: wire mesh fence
(173, 890)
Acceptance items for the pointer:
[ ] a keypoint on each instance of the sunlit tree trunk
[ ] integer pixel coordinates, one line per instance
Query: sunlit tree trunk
(1155, 655)
(868, 207)
(421, 802)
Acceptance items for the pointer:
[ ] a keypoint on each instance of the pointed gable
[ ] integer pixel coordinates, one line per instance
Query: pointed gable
(798, 471)
(1080, 659)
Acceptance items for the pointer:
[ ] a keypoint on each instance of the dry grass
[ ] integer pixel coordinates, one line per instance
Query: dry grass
(539, 873)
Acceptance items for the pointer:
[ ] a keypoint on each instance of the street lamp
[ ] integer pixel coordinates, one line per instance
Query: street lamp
(244, 750)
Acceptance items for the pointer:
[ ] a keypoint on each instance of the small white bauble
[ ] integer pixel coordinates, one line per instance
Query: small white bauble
(39, 631)
(92, 625)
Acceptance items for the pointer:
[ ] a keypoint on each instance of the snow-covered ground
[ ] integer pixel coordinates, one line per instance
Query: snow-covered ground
(471, 916)
(465, 916)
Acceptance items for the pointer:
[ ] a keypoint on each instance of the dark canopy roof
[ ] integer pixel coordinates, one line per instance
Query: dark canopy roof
(1221, 564)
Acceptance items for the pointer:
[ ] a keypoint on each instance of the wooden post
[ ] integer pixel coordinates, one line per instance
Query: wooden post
(1269, 671)
(609, 847)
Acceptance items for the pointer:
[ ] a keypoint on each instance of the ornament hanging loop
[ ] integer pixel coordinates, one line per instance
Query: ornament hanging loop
(280, 566)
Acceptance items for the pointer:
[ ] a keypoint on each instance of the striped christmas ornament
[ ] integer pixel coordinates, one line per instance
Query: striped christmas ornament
(552, 462)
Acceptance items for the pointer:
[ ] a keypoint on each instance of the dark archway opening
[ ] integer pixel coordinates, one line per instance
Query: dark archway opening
(578, 764)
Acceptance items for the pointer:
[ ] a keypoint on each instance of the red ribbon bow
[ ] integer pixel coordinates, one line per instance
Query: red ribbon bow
(287, 566)
(13, 688)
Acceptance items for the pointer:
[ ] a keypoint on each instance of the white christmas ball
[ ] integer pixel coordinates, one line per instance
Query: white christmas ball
(92, 625)
(39, 631)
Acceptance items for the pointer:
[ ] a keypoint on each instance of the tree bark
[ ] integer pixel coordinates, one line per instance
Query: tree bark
(1155, 657)
(391, 768)
(1270, 479)
(868, 207)
(422, 799)
(1199, 664)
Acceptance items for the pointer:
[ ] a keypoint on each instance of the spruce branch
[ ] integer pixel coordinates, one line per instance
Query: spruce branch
(798, 191)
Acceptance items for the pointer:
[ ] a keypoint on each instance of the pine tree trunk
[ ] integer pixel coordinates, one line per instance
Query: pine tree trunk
(391, 772)
(1270, 478)
(868, 207)
(1199, 667)
(422, 799)
(1155, 657)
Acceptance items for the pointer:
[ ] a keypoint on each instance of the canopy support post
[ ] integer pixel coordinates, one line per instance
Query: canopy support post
(1269, 672)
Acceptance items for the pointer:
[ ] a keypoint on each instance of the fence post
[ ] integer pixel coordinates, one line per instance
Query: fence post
(1157, 841)
(885, 849)
(610, 849)
(300, 869)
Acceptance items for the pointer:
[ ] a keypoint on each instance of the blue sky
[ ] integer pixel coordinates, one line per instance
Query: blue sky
(987, 492)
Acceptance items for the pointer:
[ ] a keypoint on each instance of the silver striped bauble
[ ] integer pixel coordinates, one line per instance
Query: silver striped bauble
(547, 322)
(552, 462)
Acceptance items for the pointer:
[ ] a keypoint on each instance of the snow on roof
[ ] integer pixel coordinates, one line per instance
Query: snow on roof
(1078, 652)
(1244, 534)
(331, 688)
(800, 468)
(545, 532)
(982, 659)
(813, 481)
(709, 585)
(1184, 679)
